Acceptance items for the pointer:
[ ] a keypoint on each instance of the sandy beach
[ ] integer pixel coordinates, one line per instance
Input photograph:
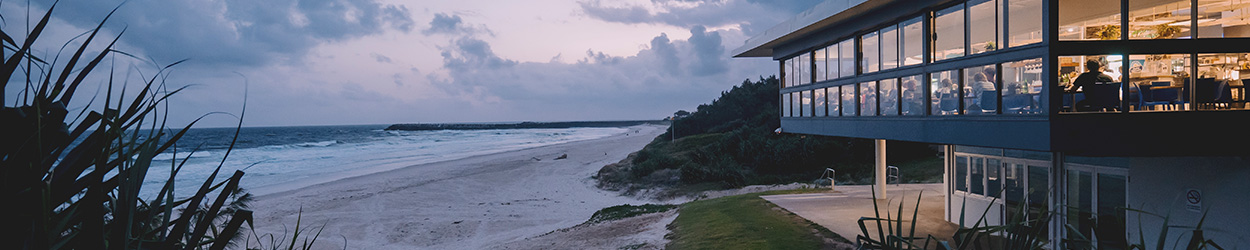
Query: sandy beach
(502, 200)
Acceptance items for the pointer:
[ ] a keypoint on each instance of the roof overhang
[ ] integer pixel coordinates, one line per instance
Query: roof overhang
(819, 17)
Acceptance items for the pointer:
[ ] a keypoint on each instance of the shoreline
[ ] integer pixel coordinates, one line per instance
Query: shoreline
(387, 167)
(482, 201)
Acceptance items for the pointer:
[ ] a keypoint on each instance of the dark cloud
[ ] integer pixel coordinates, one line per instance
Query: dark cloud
(709, 54)
(664, 50)
(398, 17)
(471, 53)
(452, 24)
(233, 32)
(751, 15)
(666, 76)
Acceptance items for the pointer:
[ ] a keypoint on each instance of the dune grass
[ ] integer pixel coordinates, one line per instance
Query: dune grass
(745, 222)
(625, 211)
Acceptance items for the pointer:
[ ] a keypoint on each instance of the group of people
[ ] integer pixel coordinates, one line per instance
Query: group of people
(948, 91)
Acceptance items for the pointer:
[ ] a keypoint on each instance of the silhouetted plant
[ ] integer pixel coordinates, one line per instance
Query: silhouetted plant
(1025, 230)
(76, 182)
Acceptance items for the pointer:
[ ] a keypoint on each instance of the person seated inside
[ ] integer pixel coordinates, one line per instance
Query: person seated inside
(1084, 81)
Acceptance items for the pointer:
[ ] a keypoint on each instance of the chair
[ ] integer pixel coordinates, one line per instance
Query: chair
(1142, 97)
(948, 103)
(1018, 103)
(1163, 96)
(989, 101)
(1101, 96)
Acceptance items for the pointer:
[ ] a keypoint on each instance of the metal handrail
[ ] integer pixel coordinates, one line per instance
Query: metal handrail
(829, 174)
(893, 173)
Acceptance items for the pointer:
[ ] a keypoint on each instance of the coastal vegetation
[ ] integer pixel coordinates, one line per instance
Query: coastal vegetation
(747, 222)
(76, 175)
(732, 142)
(625, 211)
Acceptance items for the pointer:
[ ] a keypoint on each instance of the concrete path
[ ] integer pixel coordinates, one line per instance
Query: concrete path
(840, 210)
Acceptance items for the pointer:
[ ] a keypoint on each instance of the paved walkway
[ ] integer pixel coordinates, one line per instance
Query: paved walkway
(840, 210)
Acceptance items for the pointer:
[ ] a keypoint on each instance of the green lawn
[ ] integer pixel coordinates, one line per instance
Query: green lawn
(745, 222)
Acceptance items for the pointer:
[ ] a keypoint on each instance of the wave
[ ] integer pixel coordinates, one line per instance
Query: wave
(181, 155)
(319, 144)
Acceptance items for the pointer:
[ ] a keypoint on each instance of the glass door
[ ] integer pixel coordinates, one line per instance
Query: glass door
(1095, 208)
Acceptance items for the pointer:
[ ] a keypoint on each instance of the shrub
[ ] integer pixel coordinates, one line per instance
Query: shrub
(76, 180)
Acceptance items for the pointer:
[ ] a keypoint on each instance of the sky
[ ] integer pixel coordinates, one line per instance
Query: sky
(344, 62)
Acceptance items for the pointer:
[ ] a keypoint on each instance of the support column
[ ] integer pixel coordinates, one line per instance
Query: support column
(879, 187)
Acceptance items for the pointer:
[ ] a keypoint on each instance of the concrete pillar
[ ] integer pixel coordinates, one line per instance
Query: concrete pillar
(879, 187)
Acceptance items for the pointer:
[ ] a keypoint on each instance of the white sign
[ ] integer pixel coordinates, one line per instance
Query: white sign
(1193, 200)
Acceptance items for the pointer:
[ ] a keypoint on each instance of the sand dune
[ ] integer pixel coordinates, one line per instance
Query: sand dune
(486, 202)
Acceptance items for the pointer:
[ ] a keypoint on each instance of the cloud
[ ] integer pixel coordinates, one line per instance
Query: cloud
(664, 50)
(239, 33)
(452, 24)
(471, 54)
(381, 58)
(665, 76)
(751, 16)
(709, 54)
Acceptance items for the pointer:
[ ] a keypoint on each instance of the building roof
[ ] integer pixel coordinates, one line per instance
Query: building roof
(822, 15)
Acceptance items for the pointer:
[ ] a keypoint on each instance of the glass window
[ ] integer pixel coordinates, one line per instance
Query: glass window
(1158, 82)
(1100, 93)
(949, 34)
(1089, 19)
(1222, 79)
(794, 71)
(835, 97)
(1024, 22)
(944, 87)
(1022, 87)
(785, 105)
(848, 100)
(868, 98)
(913, 95)
(805, 103)
(889, 96)
(804, 68)
(983, 25)
(976, 178)
(819, 102)
(979, 91)
(821, 59)
(961, 173)
(912, 38)
(1223, 18)
(786, 73)
(871, 48)
(889, 47)
(993, 182)
(846, 58)
(831, 60)
(1155, 19)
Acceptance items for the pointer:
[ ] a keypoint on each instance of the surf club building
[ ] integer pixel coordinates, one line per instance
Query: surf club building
(991, 81)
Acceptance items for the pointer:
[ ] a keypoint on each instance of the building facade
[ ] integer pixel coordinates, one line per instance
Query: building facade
(993, 81)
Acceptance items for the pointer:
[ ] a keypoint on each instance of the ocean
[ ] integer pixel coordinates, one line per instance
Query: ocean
(277, 159)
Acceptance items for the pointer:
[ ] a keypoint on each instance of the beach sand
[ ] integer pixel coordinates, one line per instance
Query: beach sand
(502, 200)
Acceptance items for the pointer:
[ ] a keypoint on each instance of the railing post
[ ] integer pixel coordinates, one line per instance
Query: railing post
(880, 167)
